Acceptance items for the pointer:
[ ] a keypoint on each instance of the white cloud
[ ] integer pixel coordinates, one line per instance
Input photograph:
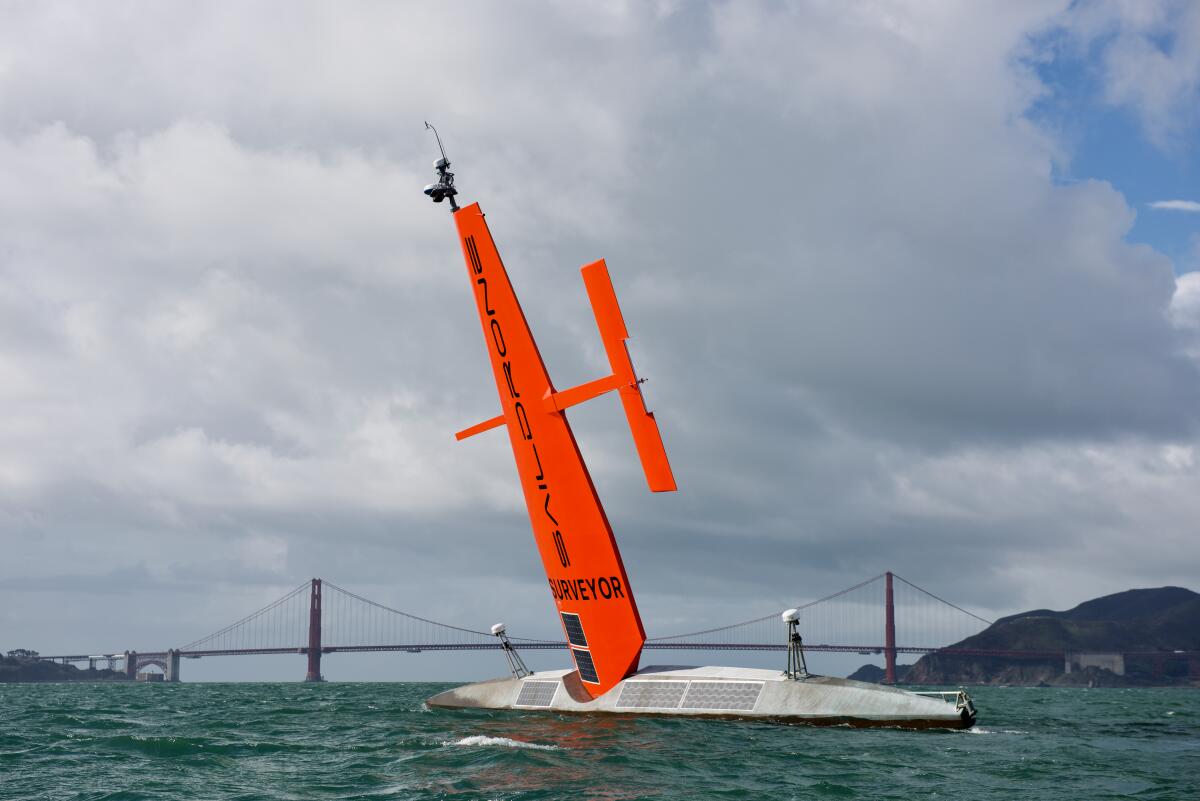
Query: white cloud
(1150, 57)
(1184, 313)
(1176, 205)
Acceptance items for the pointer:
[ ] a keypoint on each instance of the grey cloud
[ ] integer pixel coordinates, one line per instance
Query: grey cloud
(236, 342)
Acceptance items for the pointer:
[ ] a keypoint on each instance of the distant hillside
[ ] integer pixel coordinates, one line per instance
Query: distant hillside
(1165, 619)
(875, 674)
(25, 669)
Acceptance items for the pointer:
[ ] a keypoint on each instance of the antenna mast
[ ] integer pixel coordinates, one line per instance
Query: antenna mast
(444, 188)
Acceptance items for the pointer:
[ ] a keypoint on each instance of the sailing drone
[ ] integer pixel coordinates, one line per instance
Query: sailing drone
(584, 571)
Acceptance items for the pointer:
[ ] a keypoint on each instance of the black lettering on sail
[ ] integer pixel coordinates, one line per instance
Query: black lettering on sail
(523, 420)
(541, 474)
(473, 255)
(561, 547)
(483, 283)
(498, 338)
(512, 390)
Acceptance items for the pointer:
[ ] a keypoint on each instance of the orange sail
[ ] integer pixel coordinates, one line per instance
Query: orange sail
(583, 565)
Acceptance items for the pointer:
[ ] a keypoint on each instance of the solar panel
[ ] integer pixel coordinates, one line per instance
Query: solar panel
(574, 629)
(739, 695)
(583, 661)
(651, 694)
(536, 693)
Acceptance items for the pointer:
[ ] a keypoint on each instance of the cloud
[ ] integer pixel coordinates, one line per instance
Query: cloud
(1176, 205)
(235, 340)
(1149, 58)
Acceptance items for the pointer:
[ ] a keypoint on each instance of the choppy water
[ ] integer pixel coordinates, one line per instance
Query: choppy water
(378, 741)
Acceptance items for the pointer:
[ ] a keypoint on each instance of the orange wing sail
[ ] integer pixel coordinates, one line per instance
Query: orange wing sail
(583, 565)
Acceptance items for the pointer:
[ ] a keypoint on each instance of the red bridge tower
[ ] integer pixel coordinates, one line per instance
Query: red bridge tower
(314, 633)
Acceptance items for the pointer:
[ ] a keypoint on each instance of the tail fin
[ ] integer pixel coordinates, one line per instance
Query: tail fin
(576, 544)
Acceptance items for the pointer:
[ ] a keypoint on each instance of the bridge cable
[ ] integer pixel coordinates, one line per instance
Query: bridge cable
(247, 618)
(404, 614)
(943, 600)
(838, 594)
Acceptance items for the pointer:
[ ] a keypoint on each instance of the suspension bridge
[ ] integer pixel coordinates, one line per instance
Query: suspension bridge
(319, 618)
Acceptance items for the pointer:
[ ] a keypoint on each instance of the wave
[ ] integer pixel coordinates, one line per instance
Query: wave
(505, 742)
(174, 746)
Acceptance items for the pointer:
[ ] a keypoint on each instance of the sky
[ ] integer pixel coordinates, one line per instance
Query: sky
(916, 287)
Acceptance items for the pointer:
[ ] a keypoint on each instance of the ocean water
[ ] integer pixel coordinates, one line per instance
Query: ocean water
(378, 741)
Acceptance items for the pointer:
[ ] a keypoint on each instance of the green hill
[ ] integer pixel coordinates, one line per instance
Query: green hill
(26, 669)
(1162, 620)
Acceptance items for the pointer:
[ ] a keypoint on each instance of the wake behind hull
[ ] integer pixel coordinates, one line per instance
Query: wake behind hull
(721, 692)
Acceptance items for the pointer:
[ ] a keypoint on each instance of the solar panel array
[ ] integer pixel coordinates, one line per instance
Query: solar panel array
(536, 693)
(651, 694)
(736, 695)
(733, 696)
(714, 696)
(583, 661)
(574, 629)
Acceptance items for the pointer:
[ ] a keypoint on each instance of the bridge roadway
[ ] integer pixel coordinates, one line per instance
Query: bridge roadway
(543, 645)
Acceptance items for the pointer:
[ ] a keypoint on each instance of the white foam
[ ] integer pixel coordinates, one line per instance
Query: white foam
(504, 742)
(981, 730)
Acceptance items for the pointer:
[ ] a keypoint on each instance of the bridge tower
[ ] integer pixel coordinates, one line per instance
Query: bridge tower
(889, 632)
(172, 670)
(314, 633)
(131, 665)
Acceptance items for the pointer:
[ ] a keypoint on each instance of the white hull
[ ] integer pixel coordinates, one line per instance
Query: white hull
(723, 692)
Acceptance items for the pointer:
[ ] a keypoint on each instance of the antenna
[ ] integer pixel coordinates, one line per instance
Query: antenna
(444, 188)
(429, 127)
(796, 668)
(515, 663)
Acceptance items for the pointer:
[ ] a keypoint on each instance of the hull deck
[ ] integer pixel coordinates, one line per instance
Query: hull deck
(722, 692)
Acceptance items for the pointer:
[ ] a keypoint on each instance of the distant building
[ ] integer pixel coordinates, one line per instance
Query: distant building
(1114, 663)
(23, 652)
